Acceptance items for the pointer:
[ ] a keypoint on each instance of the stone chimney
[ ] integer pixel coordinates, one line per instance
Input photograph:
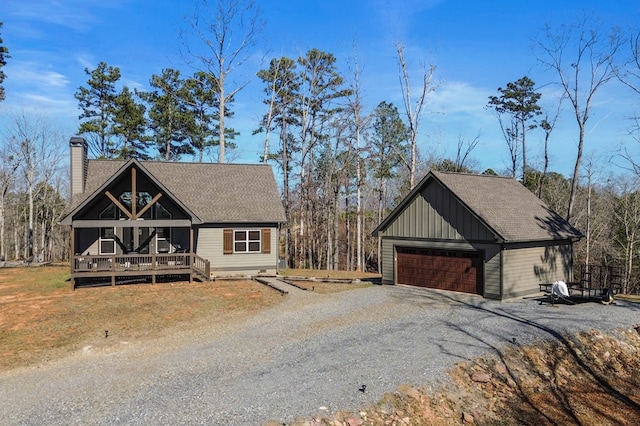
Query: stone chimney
(79, 163)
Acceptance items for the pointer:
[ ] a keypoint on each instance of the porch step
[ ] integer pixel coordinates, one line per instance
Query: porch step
(199, 276)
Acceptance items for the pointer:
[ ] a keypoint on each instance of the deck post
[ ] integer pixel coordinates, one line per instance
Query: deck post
(73, 257)
(192, 258)
(154, 266)
(113, 271)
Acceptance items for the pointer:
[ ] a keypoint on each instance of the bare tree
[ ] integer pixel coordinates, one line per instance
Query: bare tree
(227, 31)
(359, 124)
(547, 125)
(582, 57)
(629, 71)
(627, 216)
(629, 74)
(8, 167)
(413, 109)
(37, 146)
(465, 148)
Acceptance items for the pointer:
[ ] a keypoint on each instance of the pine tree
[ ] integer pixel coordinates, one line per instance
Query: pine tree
(518, 101)
(97, 103)
(4, 54)
(169, 119)
(130, 125)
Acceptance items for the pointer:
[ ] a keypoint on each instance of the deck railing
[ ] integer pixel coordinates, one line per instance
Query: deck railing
(153, 265)
(202, 266)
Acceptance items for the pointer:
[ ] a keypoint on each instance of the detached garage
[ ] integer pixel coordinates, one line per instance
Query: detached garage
(478, 234)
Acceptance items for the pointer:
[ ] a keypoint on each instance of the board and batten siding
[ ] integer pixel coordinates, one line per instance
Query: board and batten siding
(436, 213)
(210, 245)
(525, 268)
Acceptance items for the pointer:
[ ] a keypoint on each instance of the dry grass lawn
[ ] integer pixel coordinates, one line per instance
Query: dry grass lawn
(42, 318)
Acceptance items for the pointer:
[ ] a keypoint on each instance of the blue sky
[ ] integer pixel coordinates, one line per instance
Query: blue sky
(476, 46)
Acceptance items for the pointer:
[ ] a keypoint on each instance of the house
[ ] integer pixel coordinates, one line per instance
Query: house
(479, 234)
(133, 220)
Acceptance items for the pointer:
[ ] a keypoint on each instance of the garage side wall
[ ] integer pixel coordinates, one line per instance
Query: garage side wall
(525, 268)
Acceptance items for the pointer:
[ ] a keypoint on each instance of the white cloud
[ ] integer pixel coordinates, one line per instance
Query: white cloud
(460, 97)
(32, 74)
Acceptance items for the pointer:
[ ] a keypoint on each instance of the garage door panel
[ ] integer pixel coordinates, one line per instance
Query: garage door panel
(455, 271)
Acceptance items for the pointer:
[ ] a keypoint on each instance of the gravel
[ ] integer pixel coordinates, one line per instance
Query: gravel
(308, 355)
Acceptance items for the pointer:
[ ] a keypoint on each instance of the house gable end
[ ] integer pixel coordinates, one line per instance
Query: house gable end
(434, 212)
(117, 190)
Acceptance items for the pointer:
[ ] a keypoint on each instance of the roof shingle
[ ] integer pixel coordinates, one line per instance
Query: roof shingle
(212, 191)
(513, 212)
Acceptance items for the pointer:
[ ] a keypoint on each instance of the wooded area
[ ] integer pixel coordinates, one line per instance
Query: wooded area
(342, 165)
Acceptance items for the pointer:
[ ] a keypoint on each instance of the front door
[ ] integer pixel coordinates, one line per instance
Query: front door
(137, 240)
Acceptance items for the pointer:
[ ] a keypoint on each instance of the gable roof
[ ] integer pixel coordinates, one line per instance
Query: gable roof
(503, 204)
(212, 192)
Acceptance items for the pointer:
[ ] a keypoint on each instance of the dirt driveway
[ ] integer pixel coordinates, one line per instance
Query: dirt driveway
(309, 355)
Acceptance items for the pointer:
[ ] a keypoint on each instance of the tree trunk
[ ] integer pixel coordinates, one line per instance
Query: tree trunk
(30, 232)
(576, 173)
(221, 119)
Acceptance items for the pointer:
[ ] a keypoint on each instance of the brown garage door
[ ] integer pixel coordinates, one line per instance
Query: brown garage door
(440, 269)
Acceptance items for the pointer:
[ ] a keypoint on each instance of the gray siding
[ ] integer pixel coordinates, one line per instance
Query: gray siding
(388, 261)
(210, 246)
(491, 271)
(436, 213)
(78, 169)
(525, 268)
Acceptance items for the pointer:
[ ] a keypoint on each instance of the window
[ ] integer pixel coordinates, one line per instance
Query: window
(163, 240)
(162, 212)
(157, 211)
(246, 241)
(109, 212)
(142, 199)
(107, 241)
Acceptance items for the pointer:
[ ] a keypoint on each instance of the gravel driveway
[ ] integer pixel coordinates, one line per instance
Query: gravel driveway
(308, 355)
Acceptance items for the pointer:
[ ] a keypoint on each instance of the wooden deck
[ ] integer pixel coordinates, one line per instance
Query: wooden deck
(118, 267)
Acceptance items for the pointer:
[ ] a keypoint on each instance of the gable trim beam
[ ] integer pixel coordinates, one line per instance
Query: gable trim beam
(119, 204)
(166, 223)
(148, 206)
(134, 194)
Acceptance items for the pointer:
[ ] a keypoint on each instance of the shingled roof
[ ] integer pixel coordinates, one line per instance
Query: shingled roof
(503, 204)
(213, 192)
